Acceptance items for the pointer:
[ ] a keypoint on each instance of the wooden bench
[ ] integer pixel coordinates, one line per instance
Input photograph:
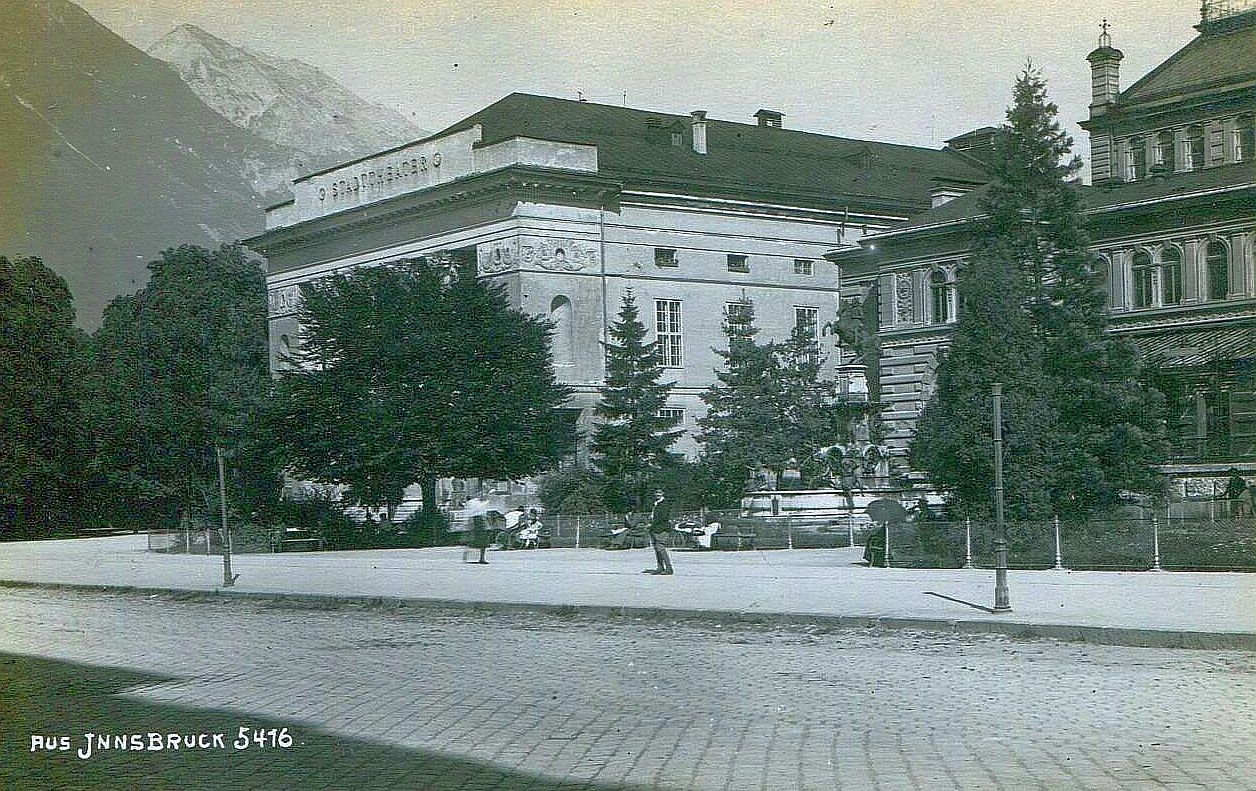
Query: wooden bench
(299, 545)
(733, 541)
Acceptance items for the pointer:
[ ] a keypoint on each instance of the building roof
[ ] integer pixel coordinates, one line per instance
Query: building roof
(1110, 197)
(1210, 60)
(635, 146)
(1191, 348)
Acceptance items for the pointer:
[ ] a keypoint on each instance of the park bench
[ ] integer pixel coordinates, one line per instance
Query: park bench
(293, 540)
(733, 541)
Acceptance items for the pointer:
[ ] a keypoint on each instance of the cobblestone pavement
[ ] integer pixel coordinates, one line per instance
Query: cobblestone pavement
(679, 705)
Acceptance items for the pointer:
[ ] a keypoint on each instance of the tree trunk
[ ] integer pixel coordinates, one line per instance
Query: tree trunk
(431, 514)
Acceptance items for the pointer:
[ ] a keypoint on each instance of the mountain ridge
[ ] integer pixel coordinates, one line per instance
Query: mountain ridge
(285, 101)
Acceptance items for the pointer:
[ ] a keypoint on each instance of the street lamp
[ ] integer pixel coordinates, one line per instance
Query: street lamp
(228, 579)
(1001, 602)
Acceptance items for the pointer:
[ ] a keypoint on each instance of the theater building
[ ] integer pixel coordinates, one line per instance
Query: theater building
(569, 204)
(1172, 214)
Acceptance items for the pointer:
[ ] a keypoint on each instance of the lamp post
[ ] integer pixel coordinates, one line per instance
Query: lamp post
(228, 579)
(1001, 601)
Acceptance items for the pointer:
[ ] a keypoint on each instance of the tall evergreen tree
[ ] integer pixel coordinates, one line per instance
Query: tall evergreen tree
(741, 429)
(631, 442)
(1098, 424)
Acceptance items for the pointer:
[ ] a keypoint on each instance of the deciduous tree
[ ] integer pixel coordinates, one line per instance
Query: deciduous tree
(178, 369)
(41, 449)
(412, 371)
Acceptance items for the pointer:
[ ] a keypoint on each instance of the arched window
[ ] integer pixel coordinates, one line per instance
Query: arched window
(1217, 264)
(1166, 158)
(1143, 279)
(941, 297)
(1170, 275)
(1195, 147)
(562, 342)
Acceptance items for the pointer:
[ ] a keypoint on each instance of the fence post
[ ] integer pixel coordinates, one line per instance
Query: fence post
(850, 529)
(887, 544)
(1155, 544)
(187, 539)
(577, 531)
(789, 532)
(1059, 561)
(207, 552)
(968, 542)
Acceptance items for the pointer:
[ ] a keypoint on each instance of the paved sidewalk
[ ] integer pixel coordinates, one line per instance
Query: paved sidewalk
(1138, 608)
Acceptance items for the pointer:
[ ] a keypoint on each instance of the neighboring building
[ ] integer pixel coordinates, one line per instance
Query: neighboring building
(567, 204)
(1172, 213)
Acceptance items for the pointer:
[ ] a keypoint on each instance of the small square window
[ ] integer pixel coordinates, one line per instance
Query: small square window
(738, 263)
(665, 256)
(802, 266)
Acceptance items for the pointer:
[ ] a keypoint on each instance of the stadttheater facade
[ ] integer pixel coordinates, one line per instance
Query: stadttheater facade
(1172, 215)
(567, 205)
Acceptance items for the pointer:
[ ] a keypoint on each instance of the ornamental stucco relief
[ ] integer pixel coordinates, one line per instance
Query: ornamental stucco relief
(557, 255)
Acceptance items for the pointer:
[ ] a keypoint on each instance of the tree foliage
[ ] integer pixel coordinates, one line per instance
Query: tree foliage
(767, 407)
(41, 443)
(1081, 424)
(178, 369)
(411, 371)
(631, 440)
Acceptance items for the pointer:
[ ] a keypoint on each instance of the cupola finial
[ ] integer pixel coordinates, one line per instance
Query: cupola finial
(1105, 39)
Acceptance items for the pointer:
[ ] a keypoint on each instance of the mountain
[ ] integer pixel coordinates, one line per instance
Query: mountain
(287, 102)
(107, 157)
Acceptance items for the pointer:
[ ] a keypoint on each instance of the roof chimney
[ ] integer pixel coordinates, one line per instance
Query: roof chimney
(769, 118)
(699, 131)
(1105, 74)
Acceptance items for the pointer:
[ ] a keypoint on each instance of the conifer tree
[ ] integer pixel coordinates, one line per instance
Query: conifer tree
(741, 430)
(1098, 425)
(631, 442)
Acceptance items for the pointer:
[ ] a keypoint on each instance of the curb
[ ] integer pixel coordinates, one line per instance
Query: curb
(1094, 635)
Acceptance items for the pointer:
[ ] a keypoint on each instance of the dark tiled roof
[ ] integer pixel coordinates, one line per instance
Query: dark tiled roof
(1104, 197)
(1187, 348)
(742, 160)
(1098, 198)
(1210, 60)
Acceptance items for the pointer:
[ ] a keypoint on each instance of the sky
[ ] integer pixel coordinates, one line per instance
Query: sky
(905, 71)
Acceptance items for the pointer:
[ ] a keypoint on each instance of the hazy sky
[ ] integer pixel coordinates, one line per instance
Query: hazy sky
(910, 71)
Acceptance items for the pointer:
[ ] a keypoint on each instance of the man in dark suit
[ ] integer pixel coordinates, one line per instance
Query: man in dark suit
(660, 523)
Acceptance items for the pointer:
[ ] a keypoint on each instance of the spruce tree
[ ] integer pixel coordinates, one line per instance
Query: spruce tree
(1099, 425)
(741, 430)
(631, 441)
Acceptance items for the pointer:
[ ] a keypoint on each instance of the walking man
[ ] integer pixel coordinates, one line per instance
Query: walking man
(660, 523)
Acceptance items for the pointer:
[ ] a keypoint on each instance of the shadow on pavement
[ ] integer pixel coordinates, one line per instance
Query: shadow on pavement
(51, 699)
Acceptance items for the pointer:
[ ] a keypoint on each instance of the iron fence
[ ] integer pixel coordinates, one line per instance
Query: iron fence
(1223, 544)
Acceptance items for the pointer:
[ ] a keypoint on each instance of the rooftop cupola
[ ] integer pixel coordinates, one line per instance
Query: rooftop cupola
(1105, 73)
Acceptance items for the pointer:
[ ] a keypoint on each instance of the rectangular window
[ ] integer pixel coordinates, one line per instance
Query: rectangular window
(665, 256)
(802, 266)
(675, 416)
(808, 321)
(738, 263)
(667, 331)
(1216, 147)
(737, 314)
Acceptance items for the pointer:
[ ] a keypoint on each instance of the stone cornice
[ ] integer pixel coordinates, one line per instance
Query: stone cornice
(590, 187)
